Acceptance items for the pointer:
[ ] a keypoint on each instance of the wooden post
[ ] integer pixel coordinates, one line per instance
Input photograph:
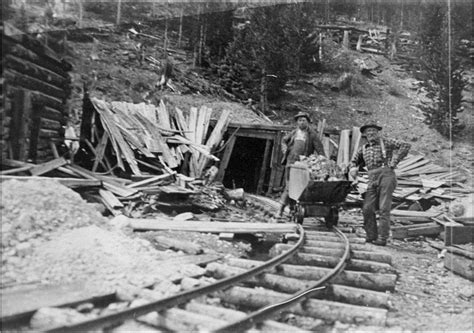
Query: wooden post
(180, 34)
(345, 40)
(119, 11)
(266, 155)
(275, 161)
(81, 13)
(359, 43)
(225, 159)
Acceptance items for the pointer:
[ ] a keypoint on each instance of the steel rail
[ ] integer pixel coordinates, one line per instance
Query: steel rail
(168, 302)
(258, 316)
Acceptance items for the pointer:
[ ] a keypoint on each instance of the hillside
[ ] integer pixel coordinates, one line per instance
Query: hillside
(115, 64)
(111, 68)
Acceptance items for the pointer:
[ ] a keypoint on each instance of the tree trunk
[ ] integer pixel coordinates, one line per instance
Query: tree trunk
(119, 11)
(165, 42)
(263, 91)
(80, 13)
(180, 27)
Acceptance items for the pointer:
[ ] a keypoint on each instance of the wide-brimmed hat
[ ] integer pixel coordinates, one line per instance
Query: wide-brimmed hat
(302, 114)
(369, 125)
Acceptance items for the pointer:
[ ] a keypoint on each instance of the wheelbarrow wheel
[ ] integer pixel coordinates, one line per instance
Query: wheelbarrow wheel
(332, 218)
(299, 214)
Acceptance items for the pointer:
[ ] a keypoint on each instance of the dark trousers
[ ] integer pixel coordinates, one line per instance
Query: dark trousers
(382, 183)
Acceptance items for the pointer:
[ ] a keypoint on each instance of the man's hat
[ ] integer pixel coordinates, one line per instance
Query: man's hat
(369, 125)
(302, 114)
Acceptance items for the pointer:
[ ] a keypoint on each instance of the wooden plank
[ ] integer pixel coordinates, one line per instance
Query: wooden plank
(110, 199)
(202, 122)
(321, 126)
(114, 187)
(408, 213)
(118, 154)
(16, 170)
(69, 182)
(100, 150)
(163, 116)
(214, 227)
(326, 146)
(225, 159)
(263, 169)
(215, 138)
(151, 180)
(109, 122)
(458, 234)
(181, 123)
(462, 252)
(192, 123)
(355, 141)
(48, 166)
(410, 160)
(459, 265)
(426, 170)
(413, 166)
(344, 148)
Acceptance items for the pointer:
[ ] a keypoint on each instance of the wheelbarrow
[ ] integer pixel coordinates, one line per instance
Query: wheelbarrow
(316, 198)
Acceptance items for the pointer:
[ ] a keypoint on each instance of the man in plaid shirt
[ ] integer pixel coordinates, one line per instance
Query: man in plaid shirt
(380, 156)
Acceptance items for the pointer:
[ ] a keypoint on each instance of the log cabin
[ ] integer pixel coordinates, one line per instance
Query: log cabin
(35, 89)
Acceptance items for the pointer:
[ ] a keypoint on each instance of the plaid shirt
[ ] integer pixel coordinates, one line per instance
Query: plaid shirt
(373, 155)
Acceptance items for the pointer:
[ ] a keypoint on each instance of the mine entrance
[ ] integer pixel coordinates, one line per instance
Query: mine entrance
(245, 164)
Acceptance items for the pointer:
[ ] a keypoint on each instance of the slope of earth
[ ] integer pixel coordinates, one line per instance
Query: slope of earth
(389, 97)
(110, 66)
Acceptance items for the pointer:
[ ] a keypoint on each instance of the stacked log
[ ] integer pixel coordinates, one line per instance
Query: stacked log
(36, 87)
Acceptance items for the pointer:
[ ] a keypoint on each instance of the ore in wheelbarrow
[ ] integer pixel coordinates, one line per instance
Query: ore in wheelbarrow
(316, 198)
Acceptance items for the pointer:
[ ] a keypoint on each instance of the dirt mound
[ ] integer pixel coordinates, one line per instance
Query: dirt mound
(105, 259)
(33, 209)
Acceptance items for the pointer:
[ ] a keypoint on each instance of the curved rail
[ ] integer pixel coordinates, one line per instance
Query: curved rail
(180, 298)
(262, 314)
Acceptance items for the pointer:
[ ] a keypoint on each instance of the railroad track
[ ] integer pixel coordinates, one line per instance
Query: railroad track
(317, 274)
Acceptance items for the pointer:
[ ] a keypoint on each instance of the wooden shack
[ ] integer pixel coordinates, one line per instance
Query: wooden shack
(35, 88)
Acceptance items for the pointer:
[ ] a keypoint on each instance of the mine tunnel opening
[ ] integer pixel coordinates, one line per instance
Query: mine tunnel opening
(245, 164)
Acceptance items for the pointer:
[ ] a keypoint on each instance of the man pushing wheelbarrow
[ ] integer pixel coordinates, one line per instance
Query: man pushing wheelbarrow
(302, 141)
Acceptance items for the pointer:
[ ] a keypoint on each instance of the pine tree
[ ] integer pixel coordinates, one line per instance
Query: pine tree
(441, 64)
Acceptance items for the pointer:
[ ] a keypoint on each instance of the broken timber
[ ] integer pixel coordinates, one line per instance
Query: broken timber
(214, 227)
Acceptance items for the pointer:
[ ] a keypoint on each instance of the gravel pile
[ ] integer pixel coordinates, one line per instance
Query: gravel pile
(50, 235)
(107, 260)
(31, 210)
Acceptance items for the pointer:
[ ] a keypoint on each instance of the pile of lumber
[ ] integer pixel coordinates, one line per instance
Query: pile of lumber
(145, 135)
(117, 194)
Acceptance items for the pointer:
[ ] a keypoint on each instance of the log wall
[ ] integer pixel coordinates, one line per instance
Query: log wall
(35, 88)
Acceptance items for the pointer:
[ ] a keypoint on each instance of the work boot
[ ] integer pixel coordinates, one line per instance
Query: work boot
(370, 239)
(380, 242)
